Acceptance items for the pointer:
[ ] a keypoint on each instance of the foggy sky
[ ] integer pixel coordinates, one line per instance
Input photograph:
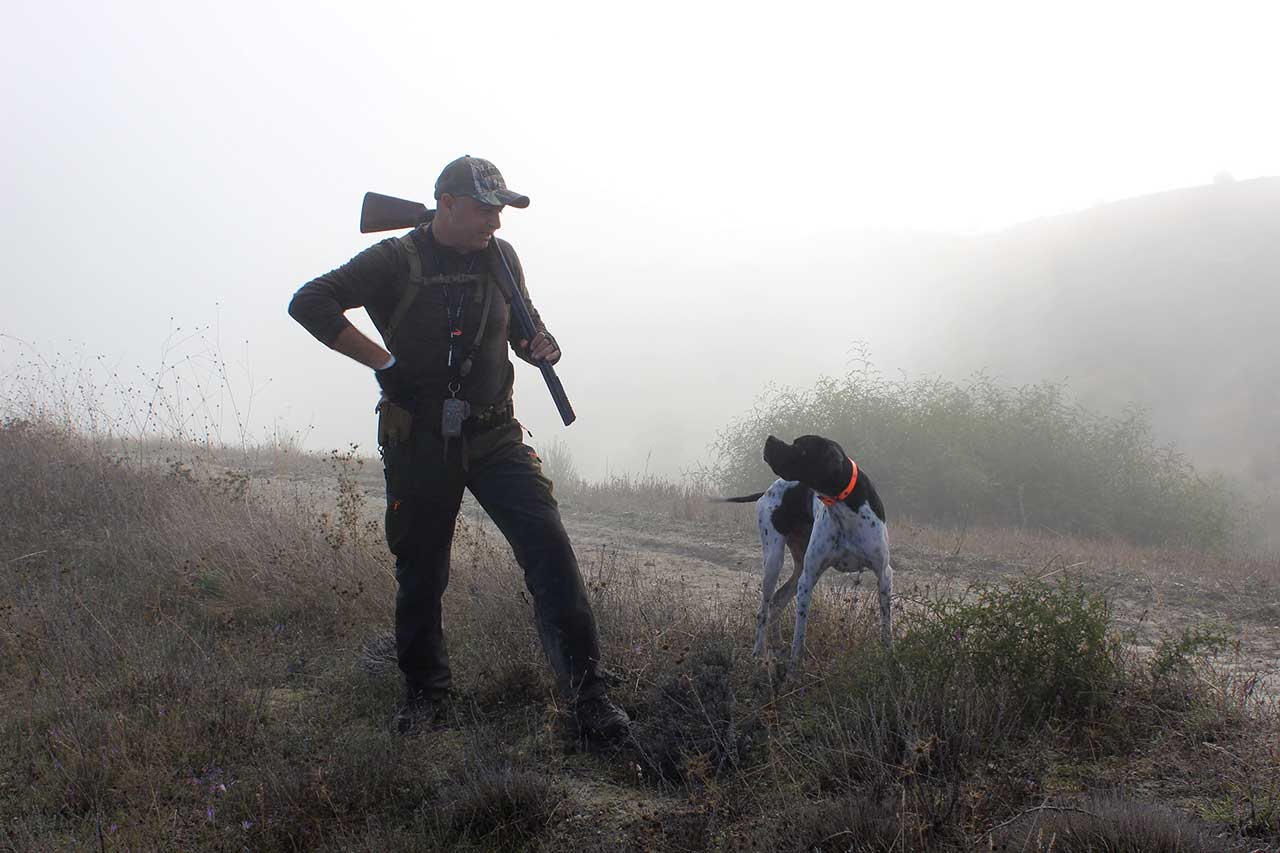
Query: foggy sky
(723, 196)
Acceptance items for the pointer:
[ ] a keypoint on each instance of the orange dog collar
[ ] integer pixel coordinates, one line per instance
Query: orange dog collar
(848, 490)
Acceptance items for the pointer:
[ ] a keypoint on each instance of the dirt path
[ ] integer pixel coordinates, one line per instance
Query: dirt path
(721, 557)
(715, 558)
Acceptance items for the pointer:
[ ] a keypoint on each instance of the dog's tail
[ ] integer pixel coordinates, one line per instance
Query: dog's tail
(744, 499)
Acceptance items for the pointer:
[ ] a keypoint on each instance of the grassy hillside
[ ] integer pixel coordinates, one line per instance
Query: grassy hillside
(197, 658)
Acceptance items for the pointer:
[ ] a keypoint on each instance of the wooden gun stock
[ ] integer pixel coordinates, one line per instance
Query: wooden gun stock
(385, 213)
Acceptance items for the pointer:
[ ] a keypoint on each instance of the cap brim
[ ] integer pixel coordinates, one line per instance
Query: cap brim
(503, 198)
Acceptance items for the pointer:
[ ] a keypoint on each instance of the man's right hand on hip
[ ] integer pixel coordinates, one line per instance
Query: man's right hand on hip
(392, 381)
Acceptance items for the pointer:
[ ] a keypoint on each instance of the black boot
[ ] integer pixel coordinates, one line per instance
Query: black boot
(420, 713)
(599, 719)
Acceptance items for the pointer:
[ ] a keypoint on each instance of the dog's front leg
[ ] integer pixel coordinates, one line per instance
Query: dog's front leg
(771, 546)
(879, 562)
(815, 562)
(886, 604)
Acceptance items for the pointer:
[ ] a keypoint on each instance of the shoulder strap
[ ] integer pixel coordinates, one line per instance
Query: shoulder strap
(465, 367)
(410, 248)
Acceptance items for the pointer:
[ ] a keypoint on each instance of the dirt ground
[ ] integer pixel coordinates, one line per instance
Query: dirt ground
(713, 550)
(1149, 598)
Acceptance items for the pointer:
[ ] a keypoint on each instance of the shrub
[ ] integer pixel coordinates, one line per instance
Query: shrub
(692, 726)
(497, 804)
(1049, 644)
(948, 452)
(559, 467)
(1176, 652)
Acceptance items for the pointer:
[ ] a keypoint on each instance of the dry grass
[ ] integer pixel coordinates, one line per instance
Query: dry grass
(1057, 550)
(194, 657)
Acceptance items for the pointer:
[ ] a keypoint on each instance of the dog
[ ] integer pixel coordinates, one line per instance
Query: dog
(825, 510)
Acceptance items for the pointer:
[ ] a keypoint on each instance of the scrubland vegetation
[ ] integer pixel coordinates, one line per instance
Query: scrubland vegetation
(195, 657)
(982, 453)
(195, 654)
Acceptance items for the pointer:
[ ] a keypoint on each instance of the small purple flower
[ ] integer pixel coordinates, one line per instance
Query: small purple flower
(209, 813)
(111, 829)
(246, 825)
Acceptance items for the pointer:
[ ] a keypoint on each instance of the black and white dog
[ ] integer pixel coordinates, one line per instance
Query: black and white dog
(827, 513)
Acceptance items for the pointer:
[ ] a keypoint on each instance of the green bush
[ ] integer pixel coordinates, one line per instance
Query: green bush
(1176, 652)
(1050, 645)
(969, 685)
(952, 453)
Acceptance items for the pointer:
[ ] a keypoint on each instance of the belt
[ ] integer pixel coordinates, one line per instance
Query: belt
(489, 417)
(482, 418)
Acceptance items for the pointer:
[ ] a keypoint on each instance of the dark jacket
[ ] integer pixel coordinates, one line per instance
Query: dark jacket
(376, 279)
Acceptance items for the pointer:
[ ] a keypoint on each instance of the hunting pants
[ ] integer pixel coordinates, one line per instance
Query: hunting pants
(504, 474)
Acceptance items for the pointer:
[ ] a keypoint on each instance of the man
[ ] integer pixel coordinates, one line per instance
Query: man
(446, 323)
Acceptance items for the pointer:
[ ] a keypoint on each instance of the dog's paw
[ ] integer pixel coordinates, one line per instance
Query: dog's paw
(780, 672)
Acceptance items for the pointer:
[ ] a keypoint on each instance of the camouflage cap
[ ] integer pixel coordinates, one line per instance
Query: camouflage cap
(479, 179)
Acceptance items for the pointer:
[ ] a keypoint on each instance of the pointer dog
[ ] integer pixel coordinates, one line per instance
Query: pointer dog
(827, 513)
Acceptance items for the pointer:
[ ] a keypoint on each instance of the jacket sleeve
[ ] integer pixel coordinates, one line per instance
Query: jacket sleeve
(368, 277)
(515, 332)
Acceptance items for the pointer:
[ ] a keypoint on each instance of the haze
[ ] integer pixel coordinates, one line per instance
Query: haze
(723, 196)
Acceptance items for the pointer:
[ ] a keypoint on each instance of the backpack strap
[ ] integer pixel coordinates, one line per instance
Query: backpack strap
(410, 249)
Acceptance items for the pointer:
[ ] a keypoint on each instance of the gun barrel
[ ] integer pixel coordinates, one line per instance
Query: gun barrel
(385, 213)
(529, 329)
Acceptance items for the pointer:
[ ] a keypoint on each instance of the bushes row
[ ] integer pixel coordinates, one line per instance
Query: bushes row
(1023, 456)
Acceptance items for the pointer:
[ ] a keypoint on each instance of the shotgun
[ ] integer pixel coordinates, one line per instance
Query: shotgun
(384, 213)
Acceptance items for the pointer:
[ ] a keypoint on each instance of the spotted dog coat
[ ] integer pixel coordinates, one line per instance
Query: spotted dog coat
(848, 535)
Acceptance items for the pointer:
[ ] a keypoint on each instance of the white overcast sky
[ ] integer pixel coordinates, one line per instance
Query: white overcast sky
(702, 175)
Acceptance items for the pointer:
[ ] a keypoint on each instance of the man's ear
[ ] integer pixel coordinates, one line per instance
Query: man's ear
(445, 203)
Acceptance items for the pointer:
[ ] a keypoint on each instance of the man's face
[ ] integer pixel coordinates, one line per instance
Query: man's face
(471, 223)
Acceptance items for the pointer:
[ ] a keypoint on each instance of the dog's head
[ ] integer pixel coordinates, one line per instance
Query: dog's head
(817, 462)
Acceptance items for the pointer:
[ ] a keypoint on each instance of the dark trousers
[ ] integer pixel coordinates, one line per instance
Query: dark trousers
(424, 493)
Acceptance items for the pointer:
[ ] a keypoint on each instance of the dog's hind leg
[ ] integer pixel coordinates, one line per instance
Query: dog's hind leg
(787, 591)
(815, 563)
(773, 552)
